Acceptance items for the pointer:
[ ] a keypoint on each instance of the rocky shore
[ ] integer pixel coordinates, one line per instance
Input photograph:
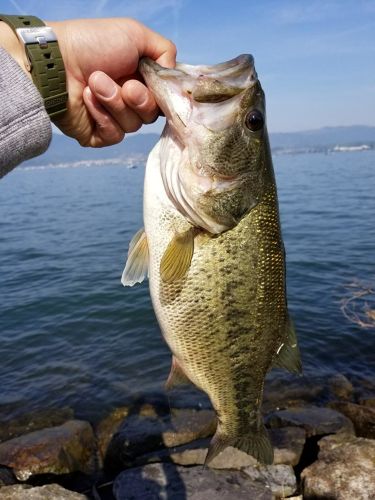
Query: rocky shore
(323, 433)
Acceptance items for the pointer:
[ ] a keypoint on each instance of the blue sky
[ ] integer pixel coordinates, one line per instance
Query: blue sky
(315, 59)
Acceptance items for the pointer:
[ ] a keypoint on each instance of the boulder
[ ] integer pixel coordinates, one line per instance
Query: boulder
(288, 443)
(35, 421)
(195, 454)
(367, 402)
(340, 387)
(345, 469)
(107, 427)
(47, 492)
(6, 477)
(187, 483)
(280, 479)
(59, 450)
(139, 434)
(287, 391)
(363, 417)
(315, 420)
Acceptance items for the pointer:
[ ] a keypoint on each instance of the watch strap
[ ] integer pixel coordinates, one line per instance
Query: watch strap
(44, 58)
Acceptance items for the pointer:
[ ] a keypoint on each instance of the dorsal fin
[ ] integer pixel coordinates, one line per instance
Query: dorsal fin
(136, 266)
(288, 355)
(176, 260)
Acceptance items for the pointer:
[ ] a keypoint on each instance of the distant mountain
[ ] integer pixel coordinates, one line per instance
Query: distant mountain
(325, 138)
(64, 149)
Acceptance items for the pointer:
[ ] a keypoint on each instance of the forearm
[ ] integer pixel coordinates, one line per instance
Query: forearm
(25, 129)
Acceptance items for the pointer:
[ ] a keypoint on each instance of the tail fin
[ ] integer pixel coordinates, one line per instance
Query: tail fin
(255, 443)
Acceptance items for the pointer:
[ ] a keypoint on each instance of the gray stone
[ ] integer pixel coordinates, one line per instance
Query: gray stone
(140, 434)
(169, 481)
(370, 402)
(280, 479)
(340, 387)
(345, 469)
(47, 492)
(35, 421)
(363, 417)
(59, 450)
(106, 429)
(288, 443)
(6, 477)
(315, 420)
(290, 391)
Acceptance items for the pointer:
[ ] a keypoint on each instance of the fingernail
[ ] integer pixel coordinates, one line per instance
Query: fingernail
(104, 86)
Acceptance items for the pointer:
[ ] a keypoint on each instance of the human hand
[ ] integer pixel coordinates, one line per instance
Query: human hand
(106, 96)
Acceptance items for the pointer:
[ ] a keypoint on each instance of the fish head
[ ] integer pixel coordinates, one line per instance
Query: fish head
(214, 152)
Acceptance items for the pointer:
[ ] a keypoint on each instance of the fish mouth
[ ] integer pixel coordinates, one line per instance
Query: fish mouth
(239, 71)
(181, 90)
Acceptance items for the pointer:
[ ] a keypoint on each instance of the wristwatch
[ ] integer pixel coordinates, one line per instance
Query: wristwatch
(44, 60)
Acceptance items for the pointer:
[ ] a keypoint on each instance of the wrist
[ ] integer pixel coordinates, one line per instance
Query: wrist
(10, 42)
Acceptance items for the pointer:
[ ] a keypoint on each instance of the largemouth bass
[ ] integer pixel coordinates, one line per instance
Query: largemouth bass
(212, 245)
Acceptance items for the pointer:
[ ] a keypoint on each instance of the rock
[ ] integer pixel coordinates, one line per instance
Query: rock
(139, 435)
(364, 387)
(344, 470)
(108, 427)
(164, 481)
(195, 454)
(280, 479)
(6, 476)
(315, 420)
(287, 391)
(367, 402)
(59, 450)
(33, 422)
(363, 417)
(340, 387)
(47, 492)
(288, 443)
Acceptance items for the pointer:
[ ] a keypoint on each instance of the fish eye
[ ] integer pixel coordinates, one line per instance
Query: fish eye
(254, 120)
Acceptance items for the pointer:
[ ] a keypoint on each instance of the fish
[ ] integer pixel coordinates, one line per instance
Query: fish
(212, 246)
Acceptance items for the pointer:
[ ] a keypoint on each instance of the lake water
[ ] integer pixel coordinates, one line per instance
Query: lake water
(70, 334)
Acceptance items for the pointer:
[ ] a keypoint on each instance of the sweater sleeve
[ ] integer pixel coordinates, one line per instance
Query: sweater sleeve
(25, 128)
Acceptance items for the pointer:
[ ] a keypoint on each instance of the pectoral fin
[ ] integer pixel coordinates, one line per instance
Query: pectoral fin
(176, 260)
(288, 355)
(176, 375)
(136, 267)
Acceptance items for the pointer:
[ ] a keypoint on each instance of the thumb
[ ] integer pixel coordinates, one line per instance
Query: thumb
(158, 48)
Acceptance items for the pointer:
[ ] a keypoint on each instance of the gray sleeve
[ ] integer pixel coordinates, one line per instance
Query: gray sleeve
(25, 128)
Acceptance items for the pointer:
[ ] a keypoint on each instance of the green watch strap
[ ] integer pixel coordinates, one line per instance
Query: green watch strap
(45, 60)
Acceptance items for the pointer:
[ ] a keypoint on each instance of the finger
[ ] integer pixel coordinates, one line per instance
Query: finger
(162, 50)
(107, 131)
(109, 95)
(137, 96)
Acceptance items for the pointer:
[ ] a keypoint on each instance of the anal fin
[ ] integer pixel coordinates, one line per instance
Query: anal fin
(288, 355)
(176, 375)
(136, 267)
